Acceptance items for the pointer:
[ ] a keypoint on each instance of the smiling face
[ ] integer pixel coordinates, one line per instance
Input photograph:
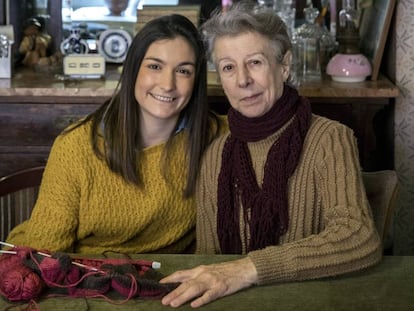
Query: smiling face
(165, 80)
(251, 78)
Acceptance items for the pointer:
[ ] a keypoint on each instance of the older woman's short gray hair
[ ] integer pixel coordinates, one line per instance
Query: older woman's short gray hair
(245, 17)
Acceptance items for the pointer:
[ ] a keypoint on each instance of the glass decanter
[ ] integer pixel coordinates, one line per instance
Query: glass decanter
(314, 46)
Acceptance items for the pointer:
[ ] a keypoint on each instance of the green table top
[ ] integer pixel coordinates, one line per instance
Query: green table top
(387, 286)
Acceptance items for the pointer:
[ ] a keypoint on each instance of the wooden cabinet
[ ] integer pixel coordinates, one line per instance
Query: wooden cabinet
(35, 108)
(28, 129)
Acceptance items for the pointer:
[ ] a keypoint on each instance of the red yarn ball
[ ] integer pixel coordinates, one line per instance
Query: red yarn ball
(8, 262)
(20, 284)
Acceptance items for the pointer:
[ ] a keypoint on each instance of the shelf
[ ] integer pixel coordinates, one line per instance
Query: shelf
(26, 82)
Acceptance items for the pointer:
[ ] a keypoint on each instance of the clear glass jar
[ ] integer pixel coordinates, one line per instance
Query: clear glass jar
(314, 46)
(265, 3)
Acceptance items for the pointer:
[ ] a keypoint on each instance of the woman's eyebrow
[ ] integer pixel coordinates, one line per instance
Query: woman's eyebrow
(159, 60)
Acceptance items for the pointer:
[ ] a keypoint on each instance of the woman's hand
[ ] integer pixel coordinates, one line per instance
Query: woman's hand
(207, 283)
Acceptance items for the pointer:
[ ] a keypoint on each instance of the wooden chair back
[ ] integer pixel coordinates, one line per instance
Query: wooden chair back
(382, 190)
(18, 194)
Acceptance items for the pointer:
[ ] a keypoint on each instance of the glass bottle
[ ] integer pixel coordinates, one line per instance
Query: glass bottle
(314, 46)
(287, 12)
(265, 4)
(348, 31)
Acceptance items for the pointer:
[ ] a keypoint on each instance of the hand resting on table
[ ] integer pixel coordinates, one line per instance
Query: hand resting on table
(206, 283)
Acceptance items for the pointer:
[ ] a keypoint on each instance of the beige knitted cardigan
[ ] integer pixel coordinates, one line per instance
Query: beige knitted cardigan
(331, 229)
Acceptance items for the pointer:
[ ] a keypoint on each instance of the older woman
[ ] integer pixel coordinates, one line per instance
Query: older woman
(286, 190)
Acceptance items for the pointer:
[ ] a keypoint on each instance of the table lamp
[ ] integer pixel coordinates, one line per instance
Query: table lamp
(348, 65)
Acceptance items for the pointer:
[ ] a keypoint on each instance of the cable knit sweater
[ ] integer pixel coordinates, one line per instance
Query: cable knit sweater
(84, 207)
(331, 229)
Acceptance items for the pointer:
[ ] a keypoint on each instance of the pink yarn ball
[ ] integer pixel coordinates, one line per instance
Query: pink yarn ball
(20, 284)
(8, 262)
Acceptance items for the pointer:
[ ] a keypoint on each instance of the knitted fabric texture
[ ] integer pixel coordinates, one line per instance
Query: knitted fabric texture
(331, 230)
(83, 207)
(62, 275)
(264, 206)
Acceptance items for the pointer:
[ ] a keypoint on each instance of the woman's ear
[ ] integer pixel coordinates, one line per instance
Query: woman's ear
(286, 64)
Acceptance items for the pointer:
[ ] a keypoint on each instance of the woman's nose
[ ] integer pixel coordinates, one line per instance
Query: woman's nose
(243, 77)
(168, 81)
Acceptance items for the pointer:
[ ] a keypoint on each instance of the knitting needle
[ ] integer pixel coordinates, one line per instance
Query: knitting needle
(73, 263)
(45, 255)
(6, 244)
(8, 252)
(152, 264)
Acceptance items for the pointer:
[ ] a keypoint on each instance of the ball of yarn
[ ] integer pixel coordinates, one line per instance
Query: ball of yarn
(8, 262)
(20, 284)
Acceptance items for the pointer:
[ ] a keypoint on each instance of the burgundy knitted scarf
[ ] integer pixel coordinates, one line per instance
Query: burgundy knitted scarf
(265, 208)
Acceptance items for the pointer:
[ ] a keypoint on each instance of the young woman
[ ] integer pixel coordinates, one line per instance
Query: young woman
(122, 179)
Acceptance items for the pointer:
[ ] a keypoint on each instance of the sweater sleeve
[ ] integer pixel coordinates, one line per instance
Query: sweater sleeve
(207, 242)
(345, 239)
(53, 221)
(205, 192)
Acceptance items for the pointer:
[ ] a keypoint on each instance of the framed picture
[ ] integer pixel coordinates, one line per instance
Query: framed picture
(374, 26)
(148, 12)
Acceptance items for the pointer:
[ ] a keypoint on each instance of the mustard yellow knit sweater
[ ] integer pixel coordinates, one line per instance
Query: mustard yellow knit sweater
(83, 207)
(331, 229)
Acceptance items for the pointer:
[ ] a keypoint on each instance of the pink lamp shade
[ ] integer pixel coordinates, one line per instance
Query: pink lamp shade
(349, 67)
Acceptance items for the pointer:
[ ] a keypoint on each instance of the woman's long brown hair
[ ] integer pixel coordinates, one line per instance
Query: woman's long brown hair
(118, 118)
